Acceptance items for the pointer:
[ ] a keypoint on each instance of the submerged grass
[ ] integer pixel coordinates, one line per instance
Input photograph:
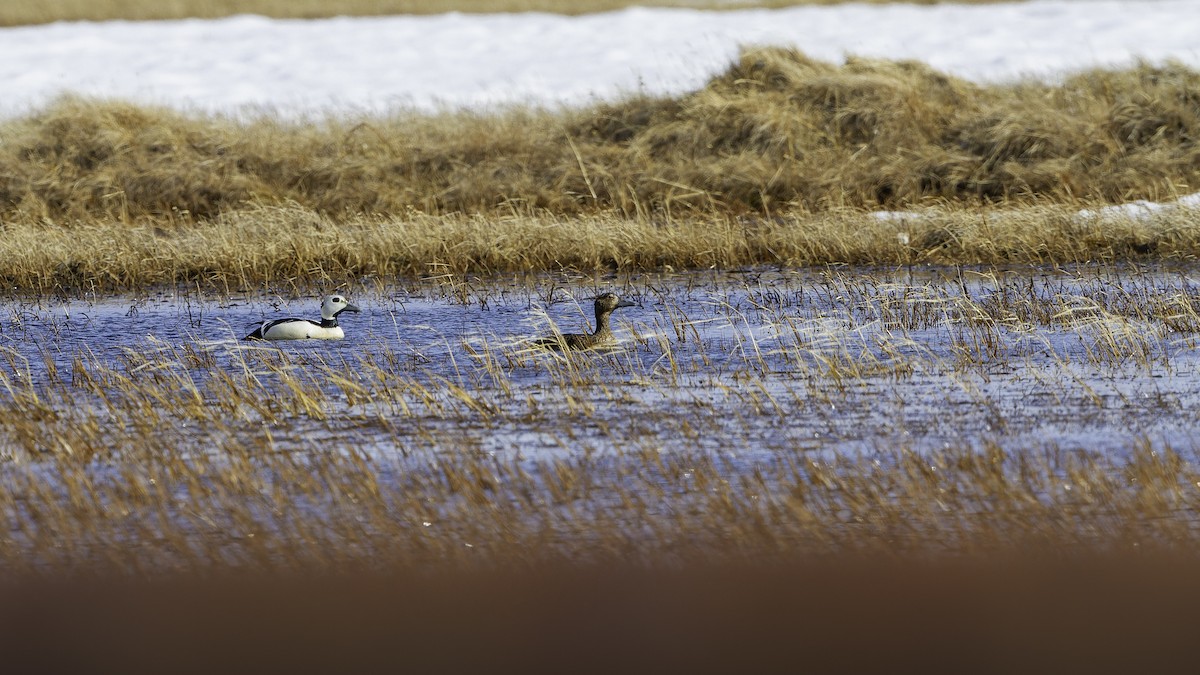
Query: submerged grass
(200, 457)
(165, 475)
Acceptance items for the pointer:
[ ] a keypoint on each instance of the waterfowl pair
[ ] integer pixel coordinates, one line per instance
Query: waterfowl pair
(328, 329)
(301, 329)
(605, 305)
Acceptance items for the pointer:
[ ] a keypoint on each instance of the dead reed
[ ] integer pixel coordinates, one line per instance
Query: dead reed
(700, 441)
(292, 247)
(775, 161)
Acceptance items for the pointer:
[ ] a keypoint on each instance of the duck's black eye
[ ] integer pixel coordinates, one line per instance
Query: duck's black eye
(338, 298)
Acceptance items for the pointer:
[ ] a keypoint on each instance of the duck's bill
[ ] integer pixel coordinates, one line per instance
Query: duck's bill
(350, 307)
(626, 303)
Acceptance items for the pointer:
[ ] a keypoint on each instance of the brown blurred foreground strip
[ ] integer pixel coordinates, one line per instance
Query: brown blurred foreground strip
(1008, 614)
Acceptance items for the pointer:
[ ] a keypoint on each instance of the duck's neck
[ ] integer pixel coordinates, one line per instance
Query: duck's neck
(602, 327)
(329, 323)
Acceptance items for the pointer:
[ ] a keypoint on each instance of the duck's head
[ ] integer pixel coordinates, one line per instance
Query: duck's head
(336, 304)
(607, 302)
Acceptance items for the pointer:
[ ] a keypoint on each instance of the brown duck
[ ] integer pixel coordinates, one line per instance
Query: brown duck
(605, 305)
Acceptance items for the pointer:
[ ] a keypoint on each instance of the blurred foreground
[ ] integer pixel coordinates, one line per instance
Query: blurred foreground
(1014, 613)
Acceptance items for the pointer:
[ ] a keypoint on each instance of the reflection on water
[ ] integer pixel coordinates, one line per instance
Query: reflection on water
(741, 364)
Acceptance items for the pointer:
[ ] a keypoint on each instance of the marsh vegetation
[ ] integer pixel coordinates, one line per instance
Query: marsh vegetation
(882, 310)
(743, 417)
(776, 133)
(781, 160)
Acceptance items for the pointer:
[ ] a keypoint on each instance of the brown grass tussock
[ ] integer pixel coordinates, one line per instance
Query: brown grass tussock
(776, 131)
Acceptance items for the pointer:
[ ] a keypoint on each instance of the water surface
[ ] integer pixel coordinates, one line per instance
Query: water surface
(743, 364)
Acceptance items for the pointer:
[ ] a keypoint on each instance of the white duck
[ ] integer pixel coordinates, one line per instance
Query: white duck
(300, 329)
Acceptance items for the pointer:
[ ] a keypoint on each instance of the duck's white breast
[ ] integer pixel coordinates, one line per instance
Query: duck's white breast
(302, 330)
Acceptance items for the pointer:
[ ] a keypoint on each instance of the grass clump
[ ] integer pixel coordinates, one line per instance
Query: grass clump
(776, 161)
(777, 131)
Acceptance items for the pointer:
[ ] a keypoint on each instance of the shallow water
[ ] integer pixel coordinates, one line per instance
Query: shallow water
(804, 411)
(740, 364)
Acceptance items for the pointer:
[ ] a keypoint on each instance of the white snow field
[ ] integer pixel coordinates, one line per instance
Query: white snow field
(248, 64)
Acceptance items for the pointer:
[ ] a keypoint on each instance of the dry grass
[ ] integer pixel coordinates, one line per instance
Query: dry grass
(187, 459)
(287, 503)
(294, 248)
(179, 464)
(20, 12)
(777, 132)
(199, 457)
(772, 162)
